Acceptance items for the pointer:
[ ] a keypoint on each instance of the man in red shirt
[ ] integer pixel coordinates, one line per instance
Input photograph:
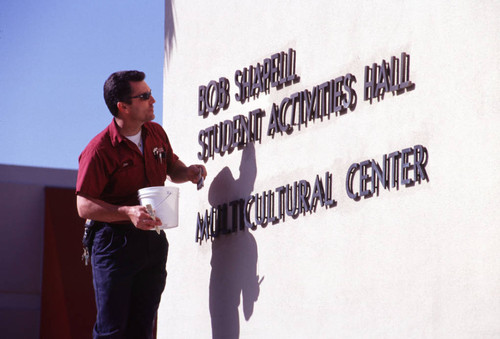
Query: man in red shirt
(128, 259)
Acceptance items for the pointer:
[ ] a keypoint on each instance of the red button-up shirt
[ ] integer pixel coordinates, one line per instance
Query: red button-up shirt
(112, 168)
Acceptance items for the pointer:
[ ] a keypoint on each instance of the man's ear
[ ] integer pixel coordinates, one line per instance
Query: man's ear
(122, 107)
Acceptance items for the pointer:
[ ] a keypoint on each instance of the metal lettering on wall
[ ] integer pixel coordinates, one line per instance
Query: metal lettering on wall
(336, 97)
(268, 207)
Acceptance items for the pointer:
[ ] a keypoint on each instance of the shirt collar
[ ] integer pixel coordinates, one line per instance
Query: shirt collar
(116, 137)
(114, 134)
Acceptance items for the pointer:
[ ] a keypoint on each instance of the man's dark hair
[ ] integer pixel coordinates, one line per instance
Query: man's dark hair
(117, 88)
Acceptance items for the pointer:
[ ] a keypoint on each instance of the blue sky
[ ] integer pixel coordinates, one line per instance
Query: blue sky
(54, 59)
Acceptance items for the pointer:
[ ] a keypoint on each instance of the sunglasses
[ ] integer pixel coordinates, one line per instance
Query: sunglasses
(143, 96)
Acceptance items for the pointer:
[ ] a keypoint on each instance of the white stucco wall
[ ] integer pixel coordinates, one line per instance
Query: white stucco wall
(413, 262)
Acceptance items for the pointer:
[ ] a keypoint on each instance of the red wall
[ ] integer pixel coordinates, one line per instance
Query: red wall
(67, 301)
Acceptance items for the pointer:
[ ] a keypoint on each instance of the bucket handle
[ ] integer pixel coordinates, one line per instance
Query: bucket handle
(161, 202)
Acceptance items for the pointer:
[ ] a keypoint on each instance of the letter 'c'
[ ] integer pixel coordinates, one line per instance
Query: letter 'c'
(349, 180)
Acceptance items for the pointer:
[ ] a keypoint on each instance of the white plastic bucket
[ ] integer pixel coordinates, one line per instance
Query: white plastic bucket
(165, 203)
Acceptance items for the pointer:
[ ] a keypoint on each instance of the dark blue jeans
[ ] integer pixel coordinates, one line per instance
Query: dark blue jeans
(129, 273)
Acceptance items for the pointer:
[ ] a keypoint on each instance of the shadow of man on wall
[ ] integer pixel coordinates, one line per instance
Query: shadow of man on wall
(234, 255)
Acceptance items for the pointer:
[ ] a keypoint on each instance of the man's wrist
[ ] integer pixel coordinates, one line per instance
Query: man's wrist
(124, 211)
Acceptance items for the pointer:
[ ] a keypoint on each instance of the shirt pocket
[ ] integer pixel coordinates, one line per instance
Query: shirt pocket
(128, 178)
(157, 169)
